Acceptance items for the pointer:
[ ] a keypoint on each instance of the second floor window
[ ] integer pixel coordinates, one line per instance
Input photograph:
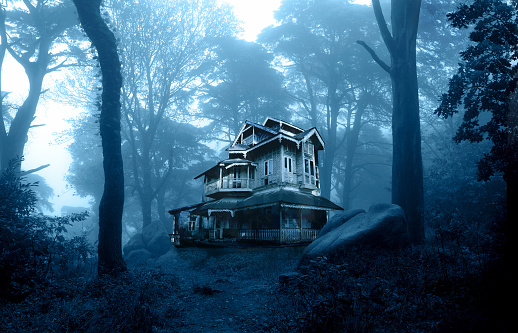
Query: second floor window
(237, 172)
(309, 167)
(268, 167)
(288, 164)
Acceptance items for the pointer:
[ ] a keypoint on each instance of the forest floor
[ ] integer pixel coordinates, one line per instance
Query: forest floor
(226, 289)
(237, 289)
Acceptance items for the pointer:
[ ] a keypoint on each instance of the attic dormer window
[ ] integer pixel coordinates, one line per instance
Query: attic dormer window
(308, 148)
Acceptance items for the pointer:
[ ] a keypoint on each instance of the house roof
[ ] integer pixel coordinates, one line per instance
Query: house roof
(287, 197)
(181, 209)
(228, 161)
(295, 134)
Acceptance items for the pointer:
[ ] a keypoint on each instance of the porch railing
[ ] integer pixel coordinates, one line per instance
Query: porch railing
(276, 235)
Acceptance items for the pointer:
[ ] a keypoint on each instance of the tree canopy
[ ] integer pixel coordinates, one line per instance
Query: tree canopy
(482, 85)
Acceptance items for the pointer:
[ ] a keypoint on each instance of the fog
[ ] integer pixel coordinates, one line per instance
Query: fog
(347, 112)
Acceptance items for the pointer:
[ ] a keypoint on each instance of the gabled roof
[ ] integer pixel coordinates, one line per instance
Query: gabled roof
(295, 134)
(308, 133)
(282, 125)
(246, 126)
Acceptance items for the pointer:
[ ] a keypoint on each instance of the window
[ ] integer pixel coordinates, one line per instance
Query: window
(312, 168)
(288, 164)
(237, 172)
(308, 148)
(237, 178)
(306, 165)
(252, 173)
(268, 167)
(192, 223)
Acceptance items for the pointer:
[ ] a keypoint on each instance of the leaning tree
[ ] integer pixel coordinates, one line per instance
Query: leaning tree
(112, 201)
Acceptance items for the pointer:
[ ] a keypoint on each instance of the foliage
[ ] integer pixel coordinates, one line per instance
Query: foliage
(330, 81)
(451, 185)
(434, 287)
(33, 247)
(131, 303)
(242, 86)
(483, 81)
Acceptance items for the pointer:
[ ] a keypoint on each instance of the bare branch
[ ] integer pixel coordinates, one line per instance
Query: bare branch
(27, 172)
(374, 56)
(382, 24)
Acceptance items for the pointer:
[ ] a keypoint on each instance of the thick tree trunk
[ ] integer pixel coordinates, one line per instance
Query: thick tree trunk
(13, 143)
(3, 48)
(407, 166)
(511, 175)
(112, 201)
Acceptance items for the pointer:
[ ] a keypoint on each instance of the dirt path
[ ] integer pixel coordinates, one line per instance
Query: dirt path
(228, 289)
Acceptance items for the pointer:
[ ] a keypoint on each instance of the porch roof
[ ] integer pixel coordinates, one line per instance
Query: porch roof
(292, 198)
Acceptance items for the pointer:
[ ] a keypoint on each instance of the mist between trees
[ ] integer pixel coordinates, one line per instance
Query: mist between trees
(374, 89)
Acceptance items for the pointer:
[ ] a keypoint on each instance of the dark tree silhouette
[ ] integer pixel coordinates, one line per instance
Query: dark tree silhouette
(484, 81)
(31, 36)
(407, 165)
(112, 201)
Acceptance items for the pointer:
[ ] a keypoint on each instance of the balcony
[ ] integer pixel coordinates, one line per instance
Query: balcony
(229, 184)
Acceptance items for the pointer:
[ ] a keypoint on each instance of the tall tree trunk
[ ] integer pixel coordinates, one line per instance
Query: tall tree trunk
(14, 142)
(351, 145)
(330, 150)
(407, 167)
(3, 48)
(112, 201)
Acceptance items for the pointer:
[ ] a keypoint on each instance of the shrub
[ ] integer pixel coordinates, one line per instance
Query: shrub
(33, 247)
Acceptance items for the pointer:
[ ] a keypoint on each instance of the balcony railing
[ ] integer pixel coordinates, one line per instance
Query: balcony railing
(229, 184)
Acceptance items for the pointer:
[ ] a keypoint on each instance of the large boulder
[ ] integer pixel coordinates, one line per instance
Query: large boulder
(339, 219)
(383, 227)
(156, 239)
(137, 258)
(135, 243)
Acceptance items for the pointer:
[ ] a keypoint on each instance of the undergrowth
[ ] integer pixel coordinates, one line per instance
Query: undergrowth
(132, 302)
(454, 282)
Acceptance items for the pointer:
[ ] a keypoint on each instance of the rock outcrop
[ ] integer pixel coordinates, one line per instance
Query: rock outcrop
(153, 242)
(383, 227)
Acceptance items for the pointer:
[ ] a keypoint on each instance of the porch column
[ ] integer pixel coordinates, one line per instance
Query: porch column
(220, 183)
(176, 229)
(282, 164)
(281, 238)
(303, 163)
(300, 224)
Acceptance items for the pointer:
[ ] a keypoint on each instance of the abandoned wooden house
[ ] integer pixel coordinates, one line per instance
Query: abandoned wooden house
(268, 190)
